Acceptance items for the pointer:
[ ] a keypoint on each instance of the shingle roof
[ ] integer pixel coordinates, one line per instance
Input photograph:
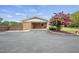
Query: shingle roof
(35, 18)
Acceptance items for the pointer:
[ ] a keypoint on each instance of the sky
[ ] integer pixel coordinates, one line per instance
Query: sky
(22, 12)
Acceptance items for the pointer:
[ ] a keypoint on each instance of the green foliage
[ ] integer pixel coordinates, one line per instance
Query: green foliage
(12, 23)
(55, 25)
(75, 19)
(52, 28)
(5, 23)
(60, 19)
(15, 23)
(70, 30)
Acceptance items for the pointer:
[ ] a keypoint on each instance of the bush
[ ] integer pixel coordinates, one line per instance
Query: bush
(52, 28)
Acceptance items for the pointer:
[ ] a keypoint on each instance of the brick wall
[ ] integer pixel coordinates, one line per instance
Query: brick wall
(27, 25)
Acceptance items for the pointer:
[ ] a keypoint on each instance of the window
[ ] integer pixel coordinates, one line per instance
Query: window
(42, 24)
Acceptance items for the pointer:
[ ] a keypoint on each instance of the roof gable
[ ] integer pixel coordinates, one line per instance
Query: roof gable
(35, 19)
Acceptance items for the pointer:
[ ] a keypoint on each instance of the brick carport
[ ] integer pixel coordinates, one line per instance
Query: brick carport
(34, 23)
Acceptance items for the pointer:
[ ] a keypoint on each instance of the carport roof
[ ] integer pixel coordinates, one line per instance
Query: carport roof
(33, 19)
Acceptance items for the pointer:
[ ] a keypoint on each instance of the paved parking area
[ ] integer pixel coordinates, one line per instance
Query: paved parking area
(38, 41)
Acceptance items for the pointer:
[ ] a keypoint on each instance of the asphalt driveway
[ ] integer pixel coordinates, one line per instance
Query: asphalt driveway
(38, 41)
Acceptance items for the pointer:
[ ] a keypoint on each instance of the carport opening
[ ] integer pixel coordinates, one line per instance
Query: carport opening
(39, 25)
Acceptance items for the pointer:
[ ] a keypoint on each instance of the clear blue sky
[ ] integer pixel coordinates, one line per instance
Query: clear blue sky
(21, 12)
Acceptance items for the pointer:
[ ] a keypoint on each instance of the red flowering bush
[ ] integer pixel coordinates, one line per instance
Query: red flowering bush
(60, 19)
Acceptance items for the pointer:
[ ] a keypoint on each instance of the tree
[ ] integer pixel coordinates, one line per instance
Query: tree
(13, 23)
(75, 19)
(60, 19)
(1, 20)
(5, 23)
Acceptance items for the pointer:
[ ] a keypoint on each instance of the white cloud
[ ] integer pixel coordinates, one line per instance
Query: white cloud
(9, 16)
(42, 15)
(19, 14)
(14, 17)
(6, 16)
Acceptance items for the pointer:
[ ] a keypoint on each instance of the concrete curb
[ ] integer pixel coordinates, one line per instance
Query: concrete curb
(63, 32)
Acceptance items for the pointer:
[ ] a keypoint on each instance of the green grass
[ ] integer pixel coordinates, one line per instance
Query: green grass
(70, 30)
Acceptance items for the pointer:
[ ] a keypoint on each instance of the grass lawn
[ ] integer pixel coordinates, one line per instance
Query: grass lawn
(70, 30)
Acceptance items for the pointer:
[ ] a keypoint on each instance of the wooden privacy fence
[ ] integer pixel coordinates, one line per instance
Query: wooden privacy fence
(16, 28)
(6, 28)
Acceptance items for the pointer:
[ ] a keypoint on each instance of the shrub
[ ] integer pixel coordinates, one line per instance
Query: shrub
(60, 19)
(52, 28)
